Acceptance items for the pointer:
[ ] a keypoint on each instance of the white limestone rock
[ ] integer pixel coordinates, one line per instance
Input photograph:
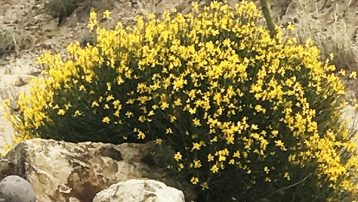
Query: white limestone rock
(139, 190)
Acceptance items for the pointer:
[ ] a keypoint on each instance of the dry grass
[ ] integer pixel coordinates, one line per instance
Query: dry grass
(332, 26)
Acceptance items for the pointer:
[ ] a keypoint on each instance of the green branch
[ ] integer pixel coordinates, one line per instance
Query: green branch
(267, 15)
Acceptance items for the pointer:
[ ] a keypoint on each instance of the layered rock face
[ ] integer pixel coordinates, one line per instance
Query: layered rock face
(60, 171)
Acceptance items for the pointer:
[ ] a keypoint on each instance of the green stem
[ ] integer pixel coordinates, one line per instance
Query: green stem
(267, 15)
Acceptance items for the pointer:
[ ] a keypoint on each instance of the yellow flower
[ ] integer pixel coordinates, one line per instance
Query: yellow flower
(222, 154)
(280, 144)
(196, 146)
(164, 105)
(177, 102)
(6, 103)
(194, 180)
(116, 104)
(291, 27)
(95, 104)
(353, 75)
(254, 127)
(92, 20)
(215, 139)
(259, 108)
(140, 135)
(214, 169)
(82, 88)
(178, 156)
(172, 118)
(129, 114)
(210, 157)
(109, 98)
(158, 141)
(180, 166)
(197, 163)
(116, 113)
(204, 186)
(342, 72)
(61, 112)
(266, 169)
(192, 110)
(77, 113)
(179, 84)
(287, 176)
(196, 122)
(106, 120)
(274, 133)
(168, 131)
(67, 106)
(331, 56)
(230, 139)
(236, 154)
(195, 6)
(109, 86)
(107, 14)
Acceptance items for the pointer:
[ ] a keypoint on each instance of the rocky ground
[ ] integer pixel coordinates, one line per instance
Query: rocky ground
(82, 172)
(332, 24)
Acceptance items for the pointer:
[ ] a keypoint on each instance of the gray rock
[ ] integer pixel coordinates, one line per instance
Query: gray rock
(16, 189)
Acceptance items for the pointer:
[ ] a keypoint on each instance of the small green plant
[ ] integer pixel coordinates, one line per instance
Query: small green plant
(61, 9)
(7, 43)
(246, 115)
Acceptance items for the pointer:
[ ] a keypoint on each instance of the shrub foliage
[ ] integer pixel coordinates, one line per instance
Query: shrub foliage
(247, 115)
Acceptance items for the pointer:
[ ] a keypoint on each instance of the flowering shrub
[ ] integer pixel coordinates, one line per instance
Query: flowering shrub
(247, 115)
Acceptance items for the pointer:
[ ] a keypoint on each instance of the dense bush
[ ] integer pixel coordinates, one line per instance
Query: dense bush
(248, 116)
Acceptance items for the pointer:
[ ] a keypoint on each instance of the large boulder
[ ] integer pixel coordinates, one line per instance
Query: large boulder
(139, 190)
(62, 171)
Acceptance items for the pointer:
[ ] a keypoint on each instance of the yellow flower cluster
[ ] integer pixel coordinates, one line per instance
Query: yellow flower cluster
(213, 85)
